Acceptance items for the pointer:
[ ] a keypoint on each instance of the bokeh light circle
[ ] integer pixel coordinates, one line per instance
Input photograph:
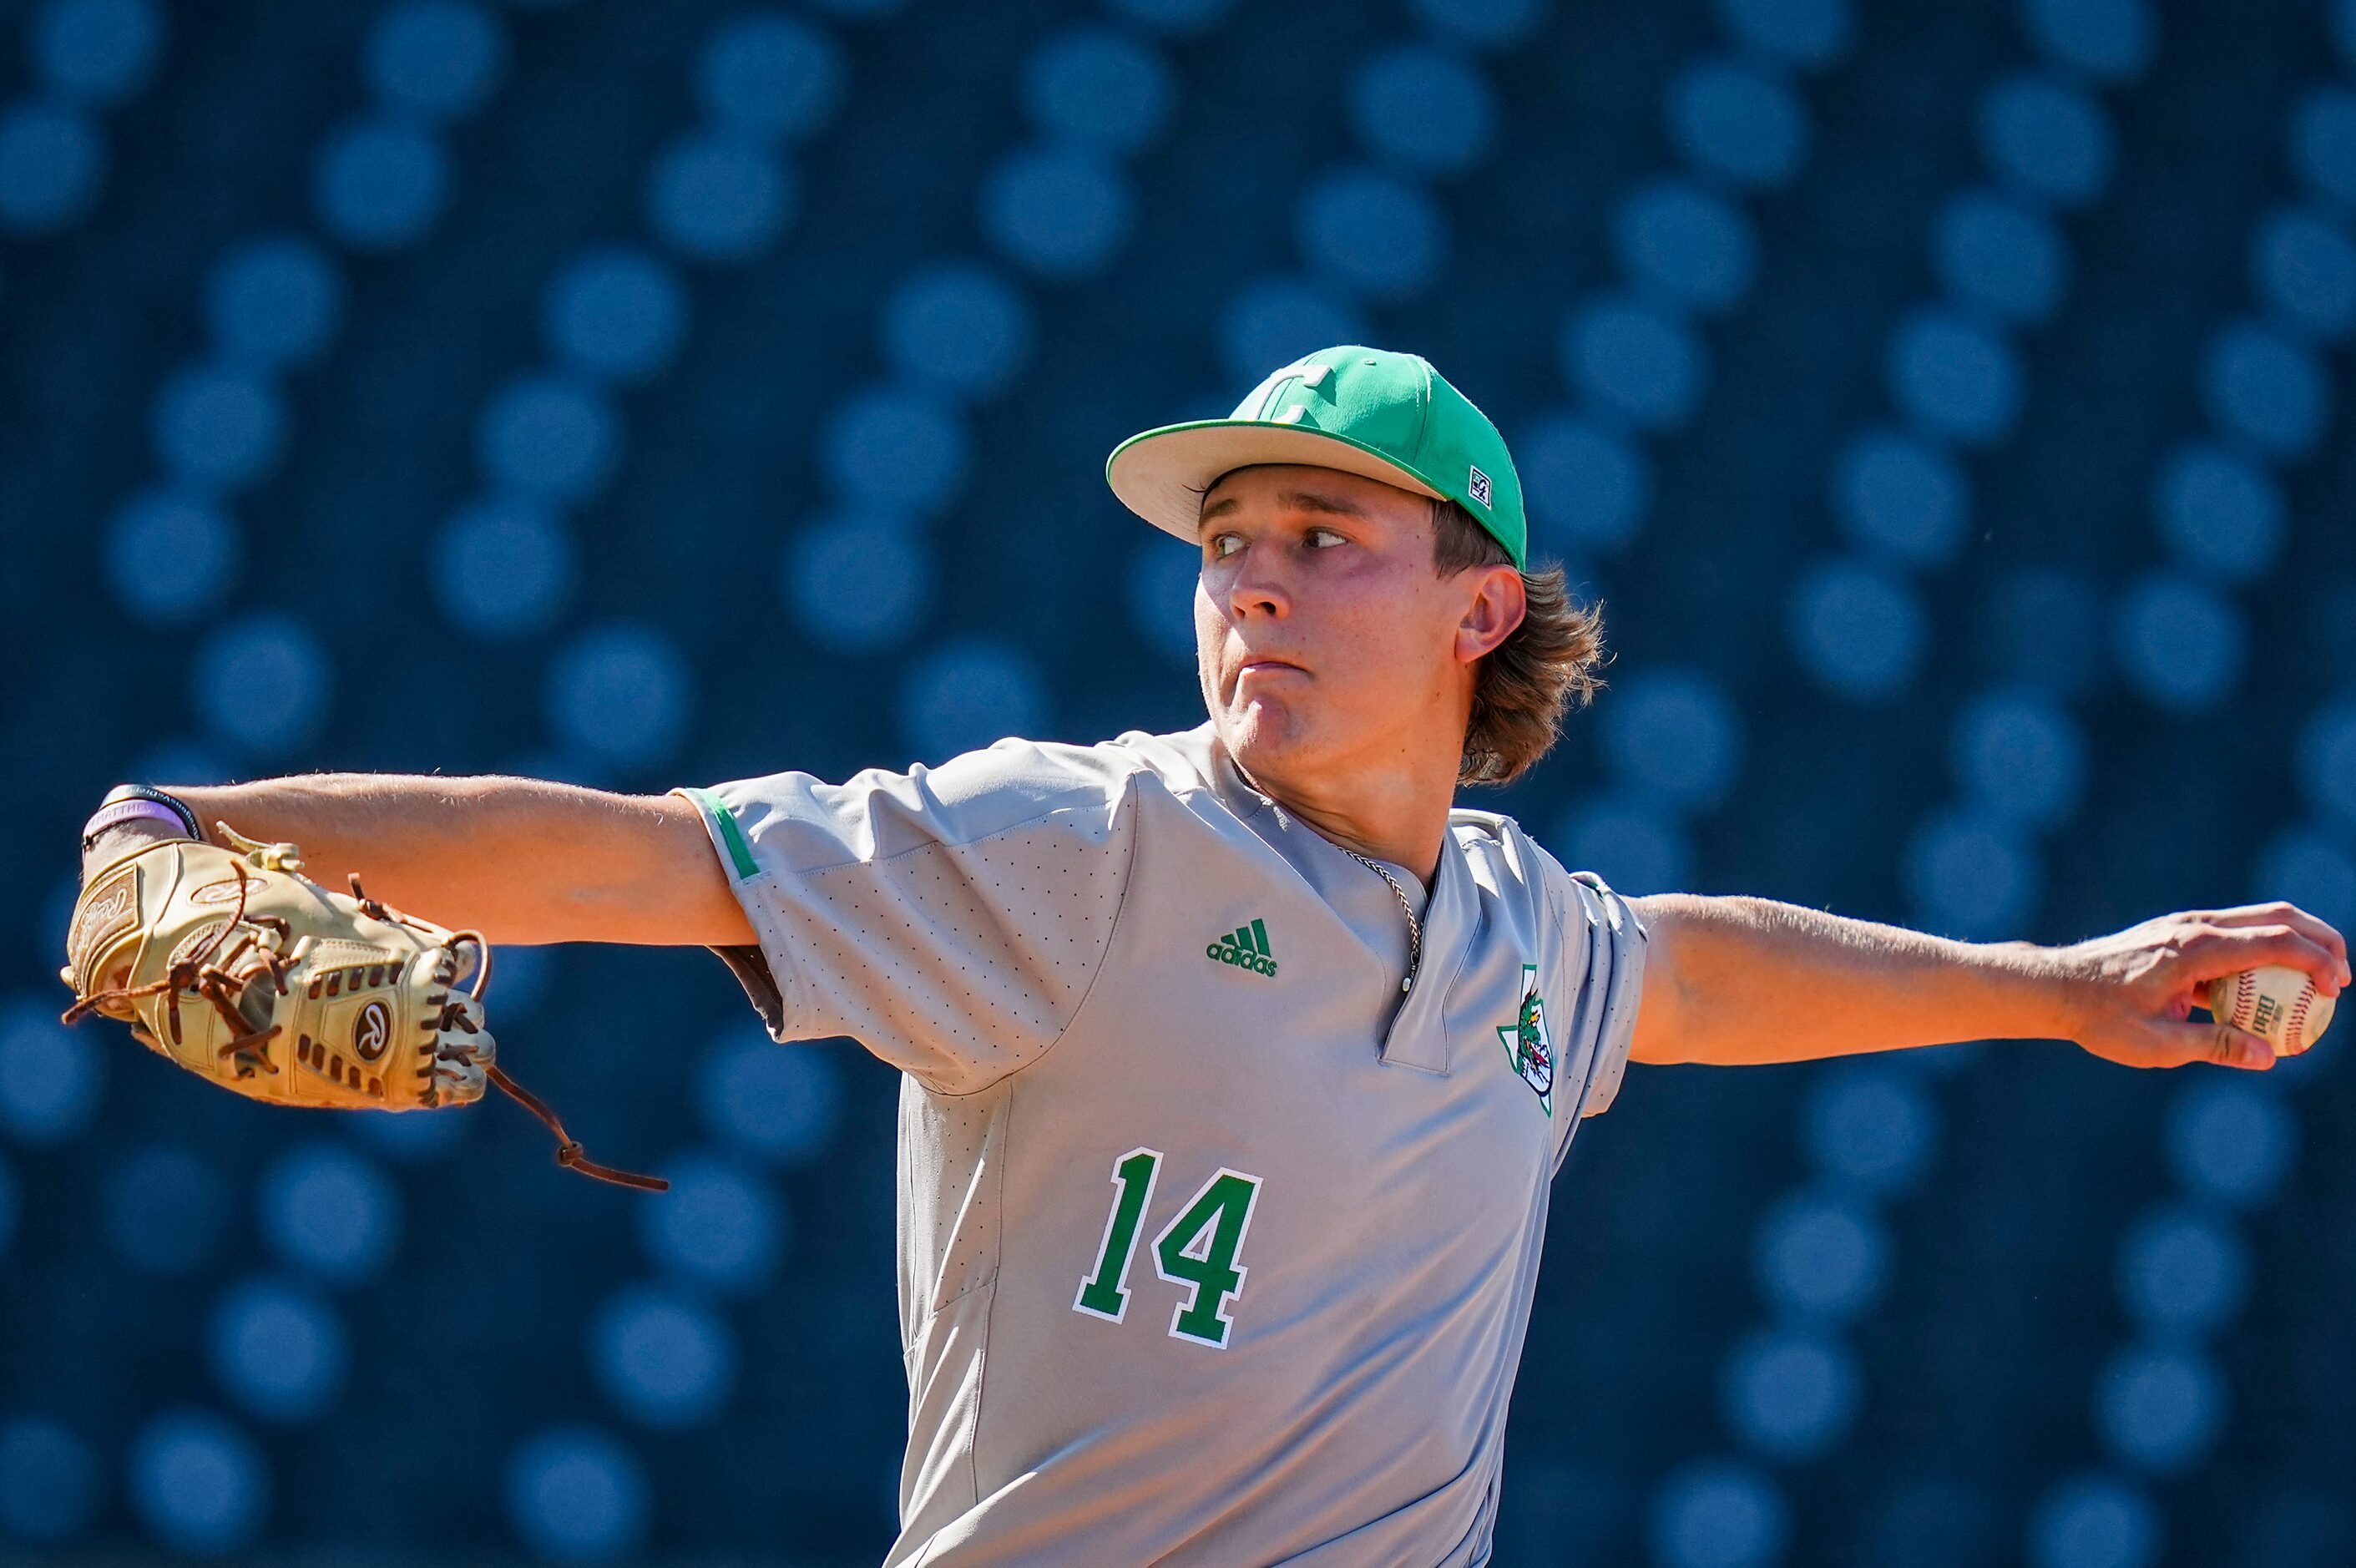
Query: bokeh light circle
(2180, 645)
(665, 1360)
(379, 184)
(615, 312)
(1422, 109)
(720, 1227)
(1858, 630)
(1093, 87)
(2093, 1522)
(51, 1076)
(1689, 247)
(771, 77)
(2047, 140)
(279, 1350)
(621, 693)
(1900, 496)
(896, 451)
(775, 1103)
(1275, 321)
(858, 585)
(503, 569)
(715, 197)
(966, 693)
(263, 682)
(197, 1484)
(1746, 125)
(575, 1495)
(274, 302)
(2230, 1142)
(1716, 1513)
(1647, 366)
(960, 328)
(52, 168)
(99, 53)
(1060, 213)
(1375, 235)
(323, 1208)
(1588, 486)
(1674, 734)
(1973, 874)
(171, 557)
(437, 60)
(1630, 841)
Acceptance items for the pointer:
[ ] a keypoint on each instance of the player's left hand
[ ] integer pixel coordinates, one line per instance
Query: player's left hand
(2130, 995)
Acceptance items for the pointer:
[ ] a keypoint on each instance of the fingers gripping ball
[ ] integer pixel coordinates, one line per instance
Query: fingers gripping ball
(2277, 1004)
(233, 964)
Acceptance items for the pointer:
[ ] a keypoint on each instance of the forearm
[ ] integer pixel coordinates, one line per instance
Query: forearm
(520, 860)
(1733, 980)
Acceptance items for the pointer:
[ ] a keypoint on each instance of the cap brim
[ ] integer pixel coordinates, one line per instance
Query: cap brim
(1161, 474)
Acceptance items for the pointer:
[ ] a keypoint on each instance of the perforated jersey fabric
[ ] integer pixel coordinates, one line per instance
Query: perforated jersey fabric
(1216, 1246)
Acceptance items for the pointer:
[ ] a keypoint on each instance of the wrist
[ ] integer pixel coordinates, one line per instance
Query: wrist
(132, 817)
(2047, 1004)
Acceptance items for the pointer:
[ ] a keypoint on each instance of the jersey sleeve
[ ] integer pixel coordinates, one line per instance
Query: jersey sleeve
(1604, 949)
(951, 919)
(1614, 984)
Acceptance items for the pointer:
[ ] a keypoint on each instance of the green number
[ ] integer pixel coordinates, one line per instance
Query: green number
(1198, 1250)
(1105, 1294)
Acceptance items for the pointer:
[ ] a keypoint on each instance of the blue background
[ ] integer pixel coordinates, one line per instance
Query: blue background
(1945, 401)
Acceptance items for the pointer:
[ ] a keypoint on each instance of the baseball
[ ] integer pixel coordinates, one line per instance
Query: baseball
(2277, 1004)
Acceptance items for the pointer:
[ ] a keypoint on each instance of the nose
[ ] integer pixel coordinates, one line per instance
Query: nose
(1256, 585)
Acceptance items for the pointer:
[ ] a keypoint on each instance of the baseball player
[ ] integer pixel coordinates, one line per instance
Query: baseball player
(1239, 1063)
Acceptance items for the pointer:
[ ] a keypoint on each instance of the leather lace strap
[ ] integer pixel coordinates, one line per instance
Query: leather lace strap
(568, 1150)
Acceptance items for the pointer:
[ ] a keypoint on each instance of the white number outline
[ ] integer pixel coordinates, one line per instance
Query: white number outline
(1193, 1288)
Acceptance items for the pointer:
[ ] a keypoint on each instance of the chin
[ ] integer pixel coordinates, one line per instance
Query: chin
(1263, 736)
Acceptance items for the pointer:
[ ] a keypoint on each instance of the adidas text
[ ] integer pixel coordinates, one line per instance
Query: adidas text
(1246, 947)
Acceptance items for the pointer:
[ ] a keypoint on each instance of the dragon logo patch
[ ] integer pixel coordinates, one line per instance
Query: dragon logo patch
(1527, 1044)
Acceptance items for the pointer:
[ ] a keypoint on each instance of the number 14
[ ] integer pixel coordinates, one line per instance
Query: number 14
(1198, 1249)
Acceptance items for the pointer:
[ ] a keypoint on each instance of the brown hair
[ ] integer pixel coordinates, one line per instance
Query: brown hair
(1546, 666)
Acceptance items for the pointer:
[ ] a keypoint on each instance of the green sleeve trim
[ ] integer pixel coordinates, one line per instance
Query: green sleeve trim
(739, 852)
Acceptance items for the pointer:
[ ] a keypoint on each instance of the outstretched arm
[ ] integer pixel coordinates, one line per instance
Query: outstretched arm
(1732, 981)
(519, 860)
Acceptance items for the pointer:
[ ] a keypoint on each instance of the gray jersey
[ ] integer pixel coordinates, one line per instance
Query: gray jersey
(1216, 1246)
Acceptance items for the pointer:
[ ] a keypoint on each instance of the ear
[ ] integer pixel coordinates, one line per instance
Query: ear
(1497, 605)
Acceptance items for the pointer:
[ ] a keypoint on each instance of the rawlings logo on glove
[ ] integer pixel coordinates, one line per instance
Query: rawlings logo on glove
(236, 967)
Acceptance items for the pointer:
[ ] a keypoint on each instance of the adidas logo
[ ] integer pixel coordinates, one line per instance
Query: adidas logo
(1246, 947)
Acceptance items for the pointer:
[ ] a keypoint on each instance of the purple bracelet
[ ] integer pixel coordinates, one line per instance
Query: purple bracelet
(124, 812)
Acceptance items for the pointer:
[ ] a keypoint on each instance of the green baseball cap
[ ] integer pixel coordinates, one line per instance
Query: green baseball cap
(1363, 411)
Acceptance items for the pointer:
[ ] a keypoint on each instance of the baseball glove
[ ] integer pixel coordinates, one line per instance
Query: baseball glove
(234, 966)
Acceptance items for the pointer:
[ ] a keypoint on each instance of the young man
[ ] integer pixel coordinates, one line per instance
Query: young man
(1239, 1062)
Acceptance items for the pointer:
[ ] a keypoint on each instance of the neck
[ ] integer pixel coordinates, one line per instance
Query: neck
(1396, 811)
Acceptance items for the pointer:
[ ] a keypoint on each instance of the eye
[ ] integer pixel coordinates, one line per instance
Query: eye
(1325, 538)
(1225, 544)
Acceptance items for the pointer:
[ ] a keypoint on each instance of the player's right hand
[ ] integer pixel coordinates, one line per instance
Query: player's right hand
(2130, 995)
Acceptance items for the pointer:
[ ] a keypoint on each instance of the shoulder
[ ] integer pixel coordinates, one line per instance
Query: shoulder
(1501, 850)
(801, 823)
(1503, 854)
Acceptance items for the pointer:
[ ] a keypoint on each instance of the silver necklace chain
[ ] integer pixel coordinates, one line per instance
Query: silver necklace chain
(1406, 905)
(1414, 925)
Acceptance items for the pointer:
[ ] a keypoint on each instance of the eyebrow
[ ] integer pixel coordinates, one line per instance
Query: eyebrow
(1296, 501)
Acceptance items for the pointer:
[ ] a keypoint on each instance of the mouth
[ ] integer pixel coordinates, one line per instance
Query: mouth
(1267, 666)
